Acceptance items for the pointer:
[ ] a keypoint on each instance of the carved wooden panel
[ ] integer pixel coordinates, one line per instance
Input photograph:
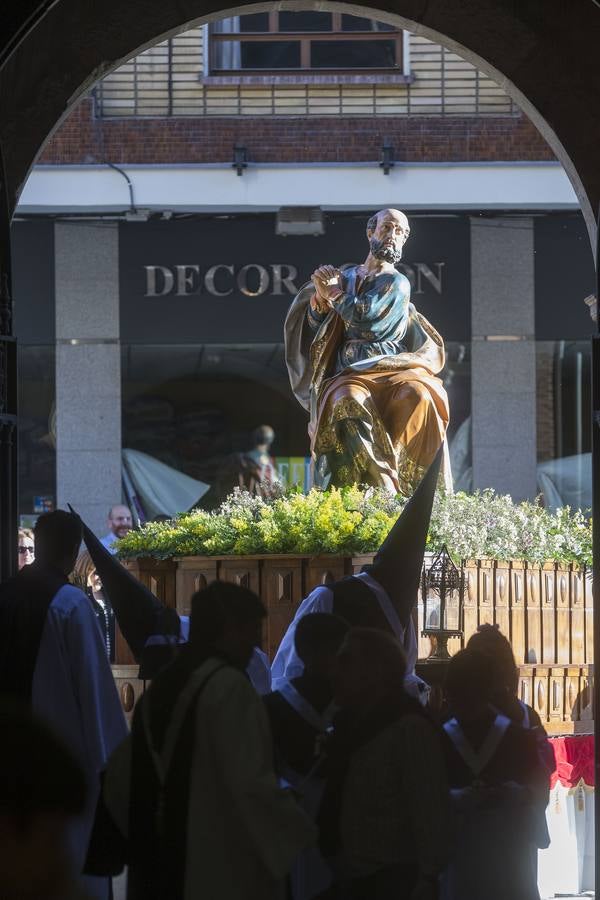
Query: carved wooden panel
(563, 615)
(194, 573)
(540, 692)
(485, 611)
(549, 614)
(123, 654)
(577, 617)
(586, 697)
(533, 615)
(324, 570)
(158, 575)
(573, 687)
(588, 606)
(471, 599)
(556, 695)
(545, 612)
(516, 634)
(281, 594)
(525, 689)
(129, 688)
(501, 596)
(364, 559)
(244, 571)
(562, 696)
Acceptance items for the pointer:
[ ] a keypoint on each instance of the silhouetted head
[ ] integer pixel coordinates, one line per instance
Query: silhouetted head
(58, 536)
(469, 684)
(41, 788)
(317, 639)
(263, 435)
(489, 640)
(227, 619)
(370, 669)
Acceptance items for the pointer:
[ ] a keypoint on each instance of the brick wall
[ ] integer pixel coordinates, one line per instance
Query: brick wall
(85, 138)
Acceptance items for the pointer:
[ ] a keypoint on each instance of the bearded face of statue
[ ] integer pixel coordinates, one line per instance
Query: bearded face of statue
(387, 239)
(385, 252)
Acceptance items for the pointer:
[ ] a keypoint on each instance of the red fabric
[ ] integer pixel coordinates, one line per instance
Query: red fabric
(574, 755)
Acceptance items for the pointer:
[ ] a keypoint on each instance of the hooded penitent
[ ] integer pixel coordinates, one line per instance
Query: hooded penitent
(138, 612)
(397, 564)
(24, 603)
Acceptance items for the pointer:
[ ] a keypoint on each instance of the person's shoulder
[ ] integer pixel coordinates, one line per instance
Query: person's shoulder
(534, 720)
(413, 729)
(70, 599)
(521, 737)
(320, 596)
(225, 681)
(416, 723)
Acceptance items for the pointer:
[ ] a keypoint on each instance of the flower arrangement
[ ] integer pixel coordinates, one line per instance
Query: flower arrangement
(353, 520)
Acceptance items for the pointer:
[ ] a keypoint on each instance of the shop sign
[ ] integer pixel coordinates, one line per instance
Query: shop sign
(254, 280)
(232, 279)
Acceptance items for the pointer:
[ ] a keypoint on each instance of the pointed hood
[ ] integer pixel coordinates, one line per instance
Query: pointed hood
(398, 563)
(138, 612)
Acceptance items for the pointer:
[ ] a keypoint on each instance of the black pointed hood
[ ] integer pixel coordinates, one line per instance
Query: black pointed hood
(138, 612)
(398, 562)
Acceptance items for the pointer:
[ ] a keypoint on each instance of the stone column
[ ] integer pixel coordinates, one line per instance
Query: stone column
(503, 355)
(88, 369)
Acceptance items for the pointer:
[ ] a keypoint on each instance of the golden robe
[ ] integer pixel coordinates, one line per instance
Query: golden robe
(367, 373)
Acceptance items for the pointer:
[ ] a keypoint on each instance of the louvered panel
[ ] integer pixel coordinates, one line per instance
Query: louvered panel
(168, 80)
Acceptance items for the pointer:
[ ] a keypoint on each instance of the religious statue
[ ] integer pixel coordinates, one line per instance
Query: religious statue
(364, 363)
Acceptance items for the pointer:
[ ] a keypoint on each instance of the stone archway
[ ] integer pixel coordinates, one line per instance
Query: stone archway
(544, 61)
(543, 55)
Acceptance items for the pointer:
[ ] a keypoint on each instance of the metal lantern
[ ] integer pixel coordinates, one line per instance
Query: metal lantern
(443, 587)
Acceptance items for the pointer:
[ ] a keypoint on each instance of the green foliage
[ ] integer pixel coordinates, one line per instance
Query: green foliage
(353, 520)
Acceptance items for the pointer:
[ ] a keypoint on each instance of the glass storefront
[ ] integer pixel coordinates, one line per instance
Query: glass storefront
(564, 277)
(202, 306)
(564, 423)
(194, 406)
(37, 438)
(32, 245)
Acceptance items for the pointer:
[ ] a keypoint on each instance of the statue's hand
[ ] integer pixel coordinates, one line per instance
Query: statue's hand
(318, 304)
(328, 283)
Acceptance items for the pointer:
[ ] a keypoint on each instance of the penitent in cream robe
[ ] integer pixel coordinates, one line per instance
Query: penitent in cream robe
(243, 831)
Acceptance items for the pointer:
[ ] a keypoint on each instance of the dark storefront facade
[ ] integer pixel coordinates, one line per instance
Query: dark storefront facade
(201, 306)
